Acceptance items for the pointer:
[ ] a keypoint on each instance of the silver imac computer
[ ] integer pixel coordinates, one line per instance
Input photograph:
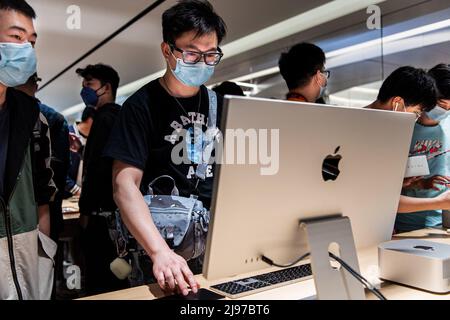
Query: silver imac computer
(284, 162)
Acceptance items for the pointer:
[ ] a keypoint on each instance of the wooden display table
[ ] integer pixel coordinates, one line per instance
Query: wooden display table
(368, 260)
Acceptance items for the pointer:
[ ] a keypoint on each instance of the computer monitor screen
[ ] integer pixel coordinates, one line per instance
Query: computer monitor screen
(284, 161)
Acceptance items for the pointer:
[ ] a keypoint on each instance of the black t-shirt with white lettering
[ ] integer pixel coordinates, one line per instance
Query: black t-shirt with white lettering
(145, 134)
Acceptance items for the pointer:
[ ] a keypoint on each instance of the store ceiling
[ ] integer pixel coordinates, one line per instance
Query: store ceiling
(136, 52)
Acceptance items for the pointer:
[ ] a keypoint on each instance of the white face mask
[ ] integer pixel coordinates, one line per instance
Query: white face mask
(323, 89)
(322, 92)
(439, 113)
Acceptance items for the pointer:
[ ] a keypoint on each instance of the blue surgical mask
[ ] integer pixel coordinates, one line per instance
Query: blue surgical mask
(438, 113)
(192, 75)
(89, 96)
(17, 63)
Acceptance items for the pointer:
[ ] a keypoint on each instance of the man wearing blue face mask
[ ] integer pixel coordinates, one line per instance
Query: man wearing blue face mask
(431, 138)
(146, 133)
(26, 186)
(100, 84)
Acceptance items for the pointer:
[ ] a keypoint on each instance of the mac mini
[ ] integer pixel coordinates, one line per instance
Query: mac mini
(416, 263)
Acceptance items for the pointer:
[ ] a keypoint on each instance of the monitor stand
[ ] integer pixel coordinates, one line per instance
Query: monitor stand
(332, 283)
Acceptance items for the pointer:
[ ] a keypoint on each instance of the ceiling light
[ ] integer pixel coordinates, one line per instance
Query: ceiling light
(304, 21)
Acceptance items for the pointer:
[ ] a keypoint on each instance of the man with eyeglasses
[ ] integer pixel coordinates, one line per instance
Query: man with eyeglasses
(303, 69)
(145, 134)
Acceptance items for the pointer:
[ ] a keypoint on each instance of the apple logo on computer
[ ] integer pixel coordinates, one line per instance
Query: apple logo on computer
(330, 167)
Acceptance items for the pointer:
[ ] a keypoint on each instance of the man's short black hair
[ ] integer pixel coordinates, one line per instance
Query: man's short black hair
(104, 73)
(20, 6)
(441, 75)
(300, 64)
(414, 85)
(229, 87)
(88, 112)
(192, 15)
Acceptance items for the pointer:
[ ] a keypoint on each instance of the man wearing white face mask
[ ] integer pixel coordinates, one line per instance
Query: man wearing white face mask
(412, 90)
(26, 185)
(303, 69)
(441, 74)
(431, 138)
(147, 129)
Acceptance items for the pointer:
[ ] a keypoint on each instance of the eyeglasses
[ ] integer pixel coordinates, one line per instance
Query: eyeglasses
(35, 78)
(193, 57)
(418, 115)
(326, 73)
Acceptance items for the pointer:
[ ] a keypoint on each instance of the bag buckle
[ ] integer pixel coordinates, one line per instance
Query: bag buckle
(169, 235)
